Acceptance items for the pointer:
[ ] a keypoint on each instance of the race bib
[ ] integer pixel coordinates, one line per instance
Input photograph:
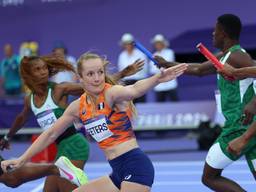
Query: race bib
(98, 128)
(46, 119)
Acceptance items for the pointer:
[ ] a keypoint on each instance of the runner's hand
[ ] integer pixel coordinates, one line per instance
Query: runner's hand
(163, 63)
(172, 72)
(11, 164)
(237, 145)
(134, 68)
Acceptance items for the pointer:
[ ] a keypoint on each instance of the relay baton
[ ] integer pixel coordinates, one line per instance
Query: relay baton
(217, 64)
(209, 56)
(139, 46)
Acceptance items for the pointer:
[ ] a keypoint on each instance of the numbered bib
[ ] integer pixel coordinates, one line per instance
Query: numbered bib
(46, 119)
(98, 128)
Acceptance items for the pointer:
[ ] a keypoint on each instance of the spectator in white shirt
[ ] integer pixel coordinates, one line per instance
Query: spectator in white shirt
(127, 57)
(165, 91)
(60, 50)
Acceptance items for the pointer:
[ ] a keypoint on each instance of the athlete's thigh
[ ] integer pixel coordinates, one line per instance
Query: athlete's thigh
(216, 158)
(102, 184)
(134, 187)
(51, 184)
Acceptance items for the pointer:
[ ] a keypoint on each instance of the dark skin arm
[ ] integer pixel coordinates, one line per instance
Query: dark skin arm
(129, 70)
(18, 123)
(238, 73)
(236, 60)
(196, 69)
(62, 89)
(237, 145)
(245, 72)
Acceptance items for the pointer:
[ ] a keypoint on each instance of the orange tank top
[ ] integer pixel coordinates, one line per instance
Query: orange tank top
(107, 126)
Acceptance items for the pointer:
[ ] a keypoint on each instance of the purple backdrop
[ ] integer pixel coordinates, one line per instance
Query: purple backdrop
(98, 24)
(177, 115)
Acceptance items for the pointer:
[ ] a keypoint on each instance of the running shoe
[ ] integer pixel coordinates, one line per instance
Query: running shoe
(71, 172)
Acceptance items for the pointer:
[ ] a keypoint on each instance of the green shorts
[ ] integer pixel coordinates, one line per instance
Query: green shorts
(75, 147)
(249, 152)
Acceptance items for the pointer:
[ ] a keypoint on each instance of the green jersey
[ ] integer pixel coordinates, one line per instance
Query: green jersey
(49, 112)
(234, 95)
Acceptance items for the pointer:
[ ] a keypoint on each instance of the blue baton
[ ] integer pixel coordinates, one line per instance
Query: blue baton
(139, 46)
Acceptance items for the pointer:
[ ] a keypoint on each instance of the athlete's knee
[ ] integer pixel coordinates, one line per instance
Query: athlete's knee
(205, 180)
(208, 179)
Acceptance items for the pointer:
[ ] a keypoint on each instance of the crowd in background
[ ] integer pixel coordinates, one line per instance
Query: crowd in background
(11, 83)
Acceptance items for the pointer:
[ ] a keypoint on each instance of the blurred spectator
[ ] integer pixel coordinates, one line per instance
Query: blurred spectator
(9, 71)
(29, 48)
(165, 91)
(128, 56)
(60, 50)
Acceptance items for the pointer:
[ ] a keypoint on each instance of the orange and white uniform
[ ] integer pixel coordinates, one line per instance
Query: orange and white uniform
(109, 127)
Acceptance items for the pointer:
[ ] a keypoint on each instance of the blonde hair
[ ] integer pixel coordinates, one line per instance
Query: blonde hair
(108, 79)
(88, 55)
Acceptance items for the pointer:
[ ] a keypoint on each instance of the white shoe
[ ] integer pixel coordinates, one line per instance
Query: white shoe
(71, 172)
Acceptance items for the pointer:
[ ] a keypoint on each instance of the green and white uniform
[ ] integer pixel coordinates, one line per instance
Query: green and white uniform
(70, 143)
(234, 95)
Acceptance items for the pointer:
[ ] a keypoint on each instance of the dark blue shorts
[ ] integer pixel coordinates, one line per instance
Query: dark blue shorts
(132, 166)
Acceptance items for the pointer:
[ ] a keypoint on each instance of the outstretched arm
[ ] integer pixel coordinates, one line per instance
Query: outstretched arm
(245, 72)
(126, 93)
(197, 69)
(239, 73)
(19, 121)
(75, 89)
(47, 137)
